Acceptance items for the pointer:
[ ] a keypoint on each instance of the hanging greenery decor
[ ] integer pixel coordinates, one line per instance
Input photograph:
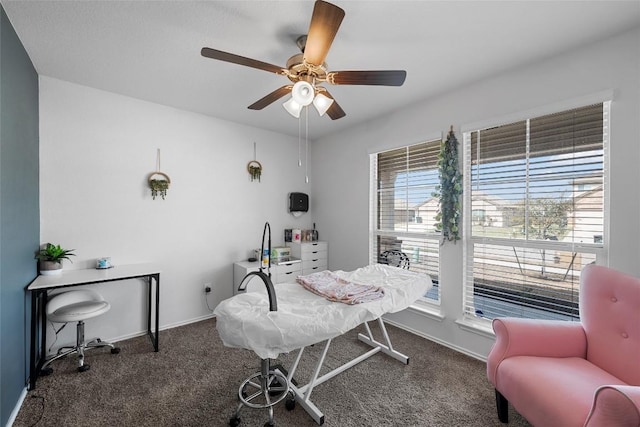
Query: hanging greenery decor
(159, 186)
(449, 190)
(255, 169)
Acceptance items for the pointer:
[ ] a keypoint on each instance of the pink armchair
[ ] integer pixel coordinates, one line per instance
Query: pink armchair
(587, 373)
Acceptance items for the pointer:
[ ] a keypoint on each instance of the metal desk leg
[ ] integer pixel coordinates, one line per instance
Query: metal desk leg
(33, 345)
(157, 336)
(150, 308)
(38, 348)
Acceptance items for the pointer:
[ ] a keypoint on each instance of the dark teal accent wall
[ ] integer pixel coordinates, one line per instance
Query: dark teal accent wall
(19, 211)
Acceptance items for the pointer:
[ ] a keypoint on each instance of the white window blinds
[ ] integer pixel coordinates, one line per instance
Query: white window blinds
(534, 212)
(402, 206)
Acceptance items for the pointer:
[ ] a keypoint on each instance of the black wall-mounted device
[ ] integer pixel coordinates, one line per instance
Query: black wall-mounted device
(298, 202)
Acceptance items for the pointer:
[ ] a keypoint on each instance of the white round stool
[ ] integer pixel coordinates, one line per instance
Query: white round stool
(77, 306)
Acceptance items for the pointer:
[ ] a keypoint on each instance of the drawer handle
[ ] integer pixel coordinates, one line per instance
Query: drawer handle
(314, 268)
(314, 252)
(291, 272)
(314, 260)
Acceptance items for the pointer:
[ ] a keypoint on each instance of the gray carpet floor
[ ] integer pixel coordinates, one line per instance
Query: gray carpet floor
(193, 381)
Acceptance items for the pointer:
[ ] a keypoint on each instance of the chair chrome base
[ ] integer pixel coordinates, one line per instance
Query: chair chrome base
(263, 389)
(79, 348)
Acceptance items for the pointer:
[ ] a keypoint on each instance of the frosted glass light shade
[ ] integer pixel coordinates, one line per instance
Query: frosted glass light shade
(303, 93)
(293, 108)
(322, 103)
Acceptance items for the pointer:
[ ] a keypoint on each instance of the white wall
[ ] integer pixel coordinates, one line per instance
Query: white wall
(341, 163)
(96, 151)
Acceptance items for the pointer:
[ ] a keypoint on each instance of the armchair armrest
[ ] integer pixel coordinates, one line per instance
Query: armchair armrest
(617, 405)
(532, 337)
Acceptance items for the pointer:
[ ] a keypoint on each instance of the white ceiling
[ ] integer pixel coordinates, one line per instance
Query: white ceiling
(151, 49)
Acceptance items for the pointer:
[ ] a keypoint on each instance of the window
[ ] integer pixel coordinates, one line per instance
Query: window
(478, 216)
(403, 209)
(534, 213)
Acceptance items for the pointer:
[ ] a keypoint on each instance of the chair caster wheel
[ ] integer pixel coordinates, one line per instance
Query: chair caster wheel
(84, 368)
(115, 350)
(269, 424)
(46, 371)
(290, 404)
(234, 421)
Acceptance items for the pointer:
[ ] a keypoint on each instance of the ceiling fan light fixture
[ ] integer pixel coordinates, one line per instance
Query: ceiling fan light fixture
(303, 93)
(322, 103)
(293, 108)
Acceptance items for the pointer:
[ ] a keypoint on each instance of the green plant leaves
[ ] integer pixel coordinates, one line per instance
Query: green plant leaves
(449, 191)
(158, 186)
(54, 253)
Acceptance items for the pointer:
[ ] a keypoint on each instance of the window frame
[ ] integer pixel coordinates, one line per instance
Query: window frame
(433, 237)
(599, 250)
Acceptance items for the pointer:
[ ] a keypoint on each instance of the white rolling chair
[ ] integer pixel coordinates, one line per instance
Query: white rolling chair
(77, 306)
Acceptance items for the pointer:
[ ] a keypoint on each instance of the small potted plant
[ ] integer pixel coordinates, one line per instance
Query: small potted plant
(51, 257)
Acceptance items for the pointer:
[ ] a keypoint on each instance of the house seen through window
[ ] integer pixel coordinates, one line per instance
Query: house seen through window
(403, 209)
(534, 213)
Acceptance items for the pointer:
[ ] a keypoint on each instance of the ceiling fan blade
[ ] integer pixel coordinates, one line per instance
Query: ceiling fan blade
(377, 78)
(240, 60)
(325, 21)
(272, 97)
(335, 111)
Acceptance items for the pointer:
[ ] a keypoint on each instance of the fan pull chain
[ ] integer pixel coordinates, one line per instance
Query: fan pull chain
(299, 142)
(306, 148)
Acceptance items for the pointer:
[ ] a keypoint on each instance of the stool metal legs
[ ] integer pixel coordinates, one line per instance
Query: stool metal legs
(79, 348)
(263, 389)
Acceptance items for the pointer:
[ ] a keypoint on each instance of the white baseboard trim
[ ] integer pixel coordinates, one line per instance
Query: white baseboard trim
(162, 328)
(437, 340)
(16, 409)
(187, 322)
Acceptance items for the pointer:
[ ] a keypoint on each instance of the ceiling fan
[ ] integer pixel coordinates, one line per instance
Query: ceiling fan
(307, 70)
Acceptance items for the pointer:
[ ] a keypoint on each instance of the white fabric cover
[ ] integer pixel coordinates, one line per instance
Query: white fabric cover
(304, 318)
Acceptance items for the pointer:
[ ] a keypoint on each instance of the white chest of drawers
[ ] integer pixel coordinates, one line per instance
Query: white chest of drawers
(284, 272)
(313, 255)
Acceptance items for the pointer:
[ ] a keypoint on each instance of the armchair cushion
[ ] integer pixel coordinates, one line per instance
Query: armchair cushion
(551, 391)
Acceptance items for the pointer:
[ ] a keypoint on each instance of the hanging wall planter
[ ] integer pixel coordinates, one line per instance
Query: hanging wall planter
(449, 190)
(255, 170)
(254, 167)
(159, 184)
(158, 181)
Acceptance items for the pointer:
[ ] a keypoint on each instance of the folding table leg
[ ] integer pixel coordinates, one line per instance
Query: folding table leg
(386, 348)
(302, 394)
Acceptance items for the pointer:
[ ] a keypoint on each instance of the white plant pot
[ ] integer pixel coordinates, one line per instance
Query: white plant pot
(48, 268)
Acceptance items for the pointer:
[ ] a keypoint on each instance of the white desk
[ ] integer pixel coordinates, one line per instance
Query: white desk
(42, 284)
